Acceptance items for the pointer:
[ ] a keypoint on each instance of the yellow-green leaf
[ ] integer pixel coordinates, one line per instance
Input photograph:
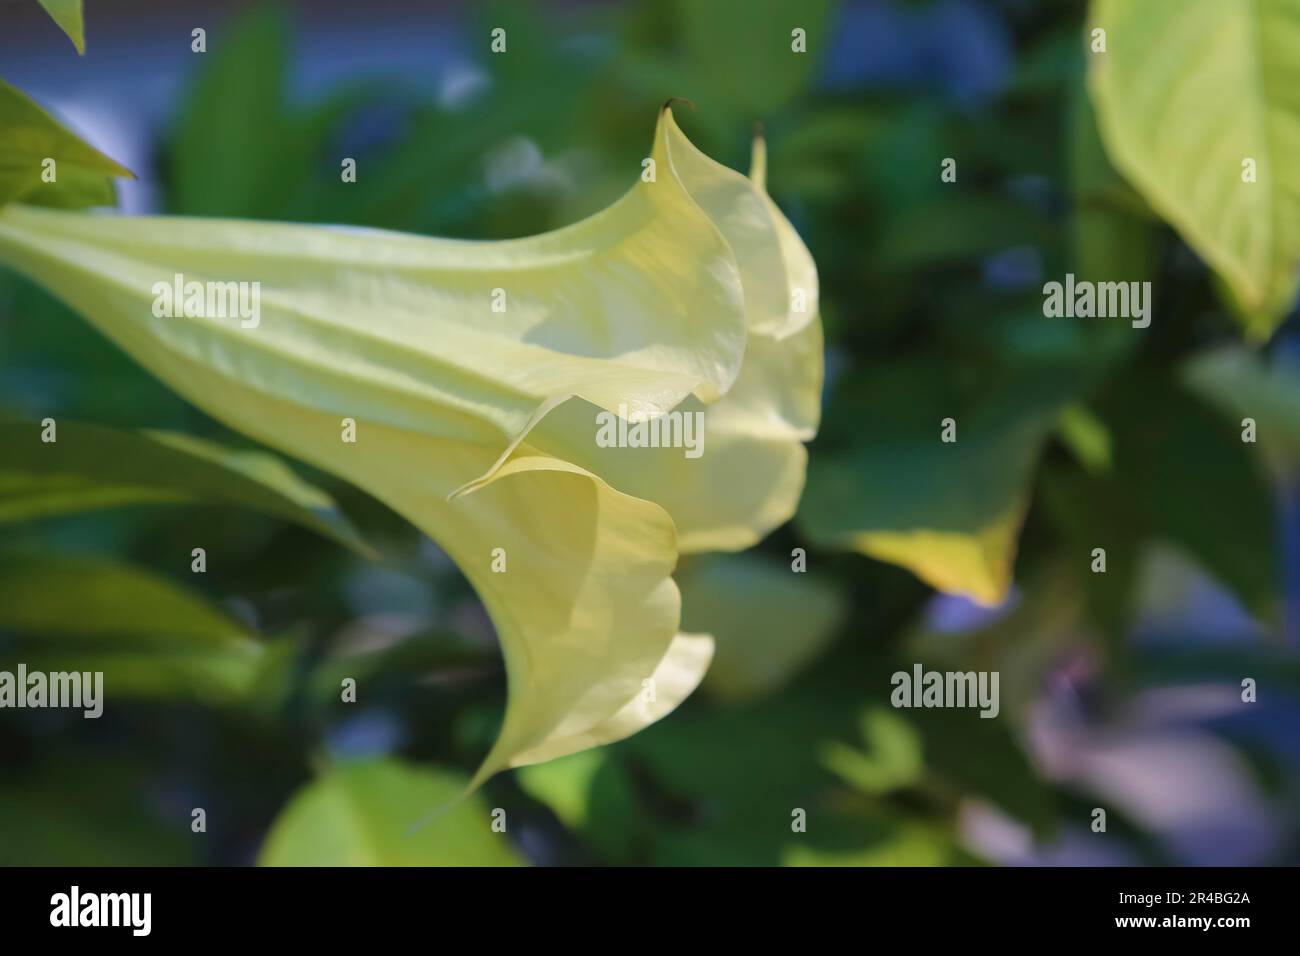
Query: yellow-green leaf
(31, 603)
(363, 814)
(75, 613)
(891, 758)
(891, 840)
(593, 795)
(67, 14)
(1193, 97)
(43, 163)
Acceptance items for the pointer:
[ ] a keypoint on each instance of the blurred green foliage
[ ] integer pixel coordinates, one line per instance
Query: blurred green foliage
(1072, 435)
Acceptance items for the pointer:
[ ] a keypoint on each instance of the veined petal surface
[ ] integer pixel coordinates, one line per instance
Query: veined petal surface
(675, 298)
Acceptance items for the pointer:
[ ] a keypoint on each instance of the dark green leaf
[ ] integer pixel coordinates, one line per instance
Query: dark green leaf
(92, 467)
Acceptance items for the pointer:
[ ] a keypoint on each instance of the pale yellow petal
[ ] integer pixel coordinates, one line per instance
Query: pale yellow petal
(647, 307)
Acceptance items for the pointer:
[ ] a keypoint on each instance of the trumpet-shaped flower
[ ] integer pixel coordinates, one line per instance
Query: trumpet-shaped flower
(473, 374)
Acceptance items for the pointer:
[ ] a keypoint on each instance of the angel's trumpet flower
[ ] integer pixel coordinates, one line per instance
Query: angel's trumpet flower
(472, 376)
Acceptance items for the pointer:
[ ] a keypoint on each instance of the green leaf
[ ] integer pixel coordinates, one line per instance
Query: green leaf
(362, 814)
(28, 137)
(1089, 509)
(963, 754)
(768, 622)
(91, 467)
(877, 837)
(93, 598)
(726, 784)
(221, 164)
(1086, 437)
(592, 794)
(890, 760)
(1172, 456)
(1242, 384)
(950, 512)
(564, 784)
(1187, 91)
(85, 614)
(434, 176)
(67, 14)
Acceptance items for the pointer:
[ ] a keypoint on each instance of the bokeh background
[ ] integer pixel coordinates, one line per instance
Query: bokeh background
(1119, 690)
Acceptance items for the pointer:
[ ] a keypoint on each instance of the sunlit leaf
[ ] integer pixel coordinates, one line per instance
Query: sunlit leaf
(1085, 436)
(889, 759)
(1112, 230)
(363, 814)
(592, 794)
(29, 137)
(106, 594)
(877, 838)
(1187, 93)
(67, 14)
